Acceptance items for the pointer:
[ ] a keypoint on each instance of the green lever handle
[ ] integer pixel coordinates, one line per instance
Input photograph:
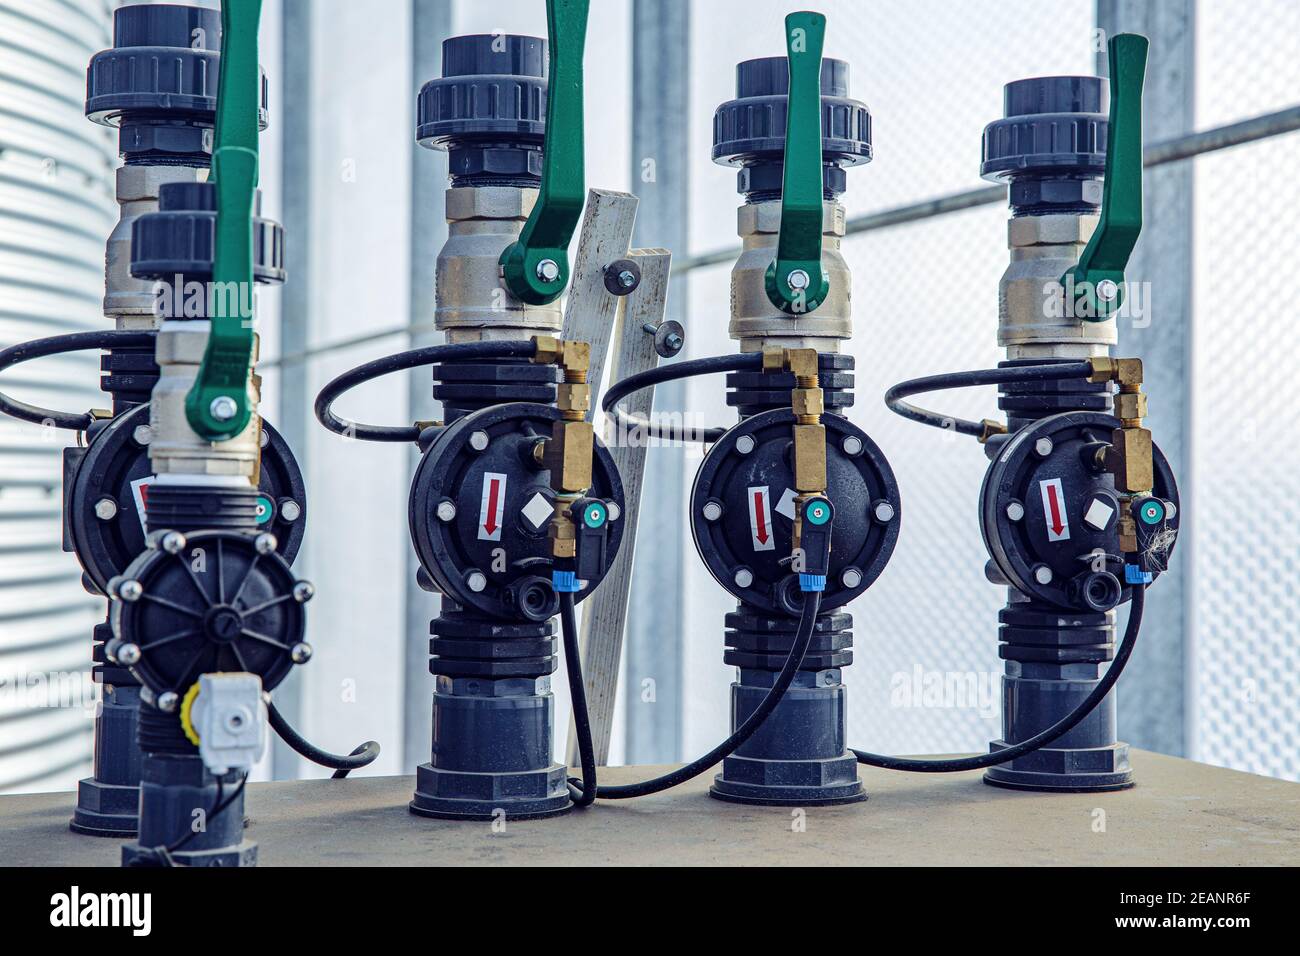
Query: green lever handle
(218, 406)
(1097, 282)
(795, 281)
(536, 266)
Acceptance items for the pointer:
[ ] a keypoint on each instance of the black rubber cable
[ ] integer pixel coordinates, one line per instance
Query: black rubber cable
(748, 727)
(1043, 737)
(626, 421)
(414, 358)
(59, 345)
(584, 791)
(362, 756)
(1013, 375)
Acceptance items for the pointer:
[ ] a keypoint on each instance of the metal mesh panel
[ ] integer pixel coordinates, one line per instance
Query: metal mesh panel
(1246, 660)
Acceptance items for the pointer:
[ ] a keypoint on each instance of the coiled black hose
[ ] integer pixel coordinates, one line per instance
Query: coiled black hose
(395, 363)
(59, 345)
(1012, 375)
(668, 373)
(362, 756)
(748, 727)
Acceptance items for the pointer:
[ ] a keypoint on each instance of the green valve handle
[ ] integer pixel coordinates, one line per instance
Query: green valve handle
(1097, 282)
(536, 266)
(218, 405)
(795, 281)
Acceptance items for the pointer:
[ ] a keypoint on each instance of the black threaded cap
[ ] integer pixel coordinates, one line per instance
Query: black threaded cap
(1053, 126)
(164, 64)
(749, 131)
(491, 86)
(180, 237)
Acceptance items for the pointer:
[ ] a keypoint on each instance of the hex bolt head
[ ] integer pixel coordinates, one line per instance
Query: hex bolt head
(745, 444)
(1107, 290)
(548, 270)
(265, 543)
(263, 438)
(446, 511)
(142, 434)
(1042, 574)
(130, 590)
(1015, 511)
(168, 700)
(476, 581)
(173, 542)
(851, 446)
(712, 510)
(479, 440)
(850, 578)
(105, 509)
(303, 591)
(223, 408)
(612, 511)
(128, 654)
(1043, 447)
(290, 510)
(626, 279)
(798, 280)
(743, 577)
(301, 652)
(883, 512)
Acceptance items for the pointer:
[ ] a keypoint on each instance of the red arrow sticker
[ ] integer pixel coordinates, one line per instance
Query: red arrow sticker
(140, 492)
(492, 508)
(1058, 522)
(760, 519)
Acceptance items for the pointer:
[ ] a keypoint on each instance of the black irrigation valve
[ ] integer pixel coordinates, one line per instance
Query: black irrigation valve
(207, 602)
(1050, 514)
(106, 485)
(742, 512)
(480, 507)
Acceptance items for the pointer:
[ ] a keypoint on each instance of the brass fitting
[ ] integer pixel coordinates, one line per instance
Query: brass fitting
(561, 532)
(1129, 457)
(990, 428)
(568, 453)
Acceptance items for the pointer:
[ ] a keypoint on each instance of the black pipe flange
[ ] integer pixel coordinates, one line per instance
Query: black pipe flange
(1049, 513)
(108, 481)
(206, 602)
(742, 508)
(480, 506)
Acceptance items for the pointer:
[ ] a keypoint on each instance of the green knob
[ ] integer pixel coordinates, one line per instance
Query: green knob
(795, 281)
(217, 405)
(1097, 282)
(536, 266)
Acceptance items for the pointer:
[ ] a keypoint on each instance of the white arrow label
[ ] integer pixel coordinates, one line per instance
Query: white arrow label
(760, 519)
(1058, 522)
(491, 512)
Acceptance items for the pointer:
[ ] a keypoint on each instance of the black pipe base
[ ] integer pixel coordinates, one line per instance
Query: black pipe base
(531, 795)
(108, 801)
(105, 809)
(789, 783)
(1090, 770)
(245, 854)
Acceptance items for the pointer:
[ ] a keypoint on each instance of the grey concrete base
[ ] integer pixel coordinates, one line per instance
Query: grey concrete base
(1180, 814)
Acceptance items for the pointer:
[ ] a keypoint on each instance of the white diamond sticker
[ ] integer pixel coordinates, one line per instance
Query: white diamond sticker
(1098, 514)
(537, 511)
(786, 505)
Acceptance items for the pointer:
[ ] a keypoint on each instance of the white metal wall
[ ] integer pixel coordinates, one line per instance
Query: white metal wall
(56, 209)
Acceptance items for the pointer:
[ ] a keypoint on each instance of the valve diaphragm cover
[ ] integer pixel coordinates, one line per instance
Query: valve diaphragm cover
(1049, 513)
(742, 511)
(481, 504)
(207, 602)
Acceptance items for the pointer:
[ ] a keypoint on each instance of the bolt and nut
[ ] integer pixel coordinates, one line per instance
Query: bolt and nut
(223, 408)
(548, 270)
